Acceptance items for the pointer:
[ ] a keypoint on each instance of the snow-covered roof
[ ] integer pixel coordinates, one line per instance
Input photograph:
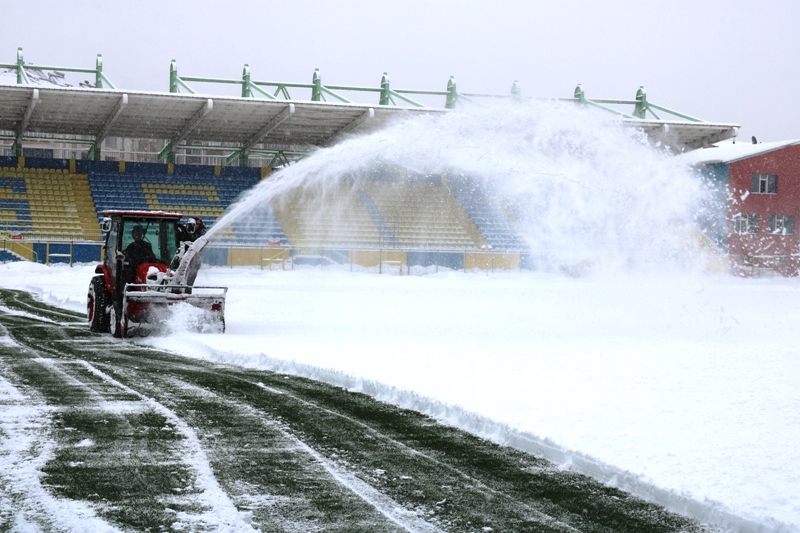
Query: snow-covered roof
(7, 77)
(730, 151)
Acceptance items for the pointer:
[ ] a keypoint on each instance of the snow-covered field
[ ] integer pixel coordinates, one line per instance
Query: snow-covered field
(679, 387)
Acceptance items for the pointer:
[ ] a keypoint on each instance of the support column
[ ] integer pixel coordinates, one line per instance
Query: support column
(22, 78)
(17, 146)
(452, 94)
(246, 91)
(94, 150)
(386, 91)
(516, 91)
(640, 111)
(316, 90)
(173, 76)
(98, 83)
(580, 96)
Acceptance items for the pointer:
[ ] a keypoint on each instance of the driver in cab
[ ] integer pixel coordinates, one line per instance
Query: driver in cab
(139, 251)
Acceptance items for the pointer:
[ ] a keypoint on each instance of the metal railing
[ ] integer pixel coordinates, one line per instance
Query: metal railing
(287, 257)
(7, 246)
(380, 260)
(637, 108)
(46, 250)
(49, 254)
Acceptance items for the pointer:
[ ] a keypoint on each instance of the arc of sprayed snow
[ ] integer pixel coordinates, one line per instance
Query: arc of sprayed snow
(214, 497)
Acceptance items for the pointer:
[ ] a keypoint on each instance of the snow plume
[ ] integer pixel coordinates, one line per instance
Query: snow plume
(582, 189)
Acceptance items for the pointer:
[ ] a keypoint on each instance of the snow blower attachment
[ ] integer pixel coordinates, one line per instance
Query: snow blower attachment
(146, 281)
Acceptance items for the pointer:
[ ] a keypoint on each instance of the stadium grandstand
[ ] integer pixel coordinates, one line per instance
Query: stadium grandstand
(71, 152)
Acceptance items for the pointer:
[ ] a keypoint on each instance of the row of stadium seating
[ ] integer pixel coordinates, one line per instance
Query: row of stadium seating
(334, 218)
(387, 211)
(424, 214)
(494, 226)
(47, 204)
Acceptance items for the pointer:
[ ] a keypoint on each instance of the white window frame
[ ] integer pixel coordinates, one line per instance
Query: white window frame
(745, 224)
(764, 184)
(781, 224)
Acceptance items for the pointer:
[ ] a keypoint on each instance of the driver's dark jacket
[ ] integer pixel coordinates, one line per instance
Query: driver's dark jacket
(139, 252)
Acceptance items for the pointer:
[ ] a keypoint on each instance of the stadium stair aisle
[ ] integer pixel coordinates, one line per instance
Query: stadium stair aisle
(387, 236)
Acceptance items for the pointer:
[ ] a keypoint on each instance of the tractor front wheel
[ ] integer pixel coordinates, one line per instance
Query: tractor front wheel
(97, 300)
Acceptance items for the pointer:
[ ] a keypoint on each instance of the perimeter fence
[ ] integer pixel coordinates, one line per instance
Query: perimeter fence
(381, 260)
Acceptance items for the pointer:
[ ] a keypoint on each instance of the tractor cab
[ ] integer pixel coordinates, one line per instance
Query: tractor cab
(136, 241)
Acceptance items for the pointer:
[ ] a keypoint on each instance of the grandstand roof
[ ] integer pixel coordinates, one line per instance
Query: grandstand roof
(275, 124)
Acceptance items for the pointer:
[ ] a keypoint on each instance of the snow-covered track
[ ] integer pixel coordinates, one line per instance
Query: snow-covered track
(146, 439)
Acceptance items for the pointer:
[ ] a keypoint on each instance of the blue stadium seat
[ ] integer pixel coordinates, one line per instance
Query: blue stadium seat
(191, 190)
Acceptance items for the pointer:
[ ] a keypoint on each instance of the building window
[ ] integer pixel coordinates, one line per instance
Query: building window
(745, 224)
(781, 224)
(764, 184)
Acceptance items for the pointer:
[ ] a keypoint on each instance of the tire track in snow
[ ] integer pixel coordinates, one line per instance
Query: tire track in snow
(223, 514)
(36, 308)
(92, 400)
(543, 518)
(25, 447)
(382, 503)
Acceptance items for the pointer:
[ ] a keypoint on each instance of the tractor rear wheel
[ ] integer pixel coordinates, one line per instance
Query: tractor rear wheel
(97, 300)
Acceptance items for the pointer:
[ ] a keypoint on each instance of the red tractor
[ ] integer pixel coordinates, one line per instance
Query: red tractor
(149, 264)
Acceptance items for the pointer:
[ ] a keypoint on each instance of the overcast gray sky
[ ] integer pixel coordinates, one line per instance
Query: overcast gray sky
(727, 61)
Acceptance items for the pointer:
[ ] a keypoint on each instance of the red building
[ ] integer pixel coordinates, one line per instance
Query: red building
(761, 183)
